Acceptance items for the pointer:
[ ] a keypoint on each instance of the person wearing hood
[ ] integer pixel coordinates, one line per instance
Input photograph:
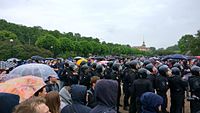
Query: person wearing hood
(106, 96)
(65, 97)
(150, 102)
(8, 102)
(78, 94)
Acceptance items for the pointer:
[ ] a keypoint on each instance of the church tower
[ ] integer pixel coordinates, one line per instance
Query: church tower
(143, 44)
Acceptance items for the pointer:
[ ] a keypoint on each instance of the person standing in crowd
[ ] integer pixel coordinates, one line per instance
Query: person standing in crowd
(177, 91)
(106, 96)
(65, 97)
(8, 102)
(78, 100)
(53, 101)
(99, 71)
(150, 102)
(152, 76)
(108, 70)
(52, 84)
(41, 92)
(129, 78)
(194, 83)
(92, 69)
(139, 87)
(162, 85)
(126, 85)
(63, 75)
(116, 75)
(91, 101)
(85, 76)
(32, 105)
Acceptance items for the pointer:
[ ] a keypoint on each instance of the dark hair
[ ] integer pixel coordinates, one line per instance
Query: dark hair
(40, 90)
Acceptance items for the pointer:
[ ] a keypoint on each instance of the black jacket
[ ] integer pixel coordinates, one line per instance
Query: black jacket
(141, 86)
(177, 85)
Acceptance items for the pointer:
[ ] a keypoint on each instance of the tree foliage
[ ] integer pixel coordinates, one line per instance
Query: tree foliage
(190, 44)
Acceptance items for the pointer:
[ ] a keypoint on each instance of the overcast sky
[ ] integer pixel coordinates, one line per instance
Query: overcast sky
(160, 22)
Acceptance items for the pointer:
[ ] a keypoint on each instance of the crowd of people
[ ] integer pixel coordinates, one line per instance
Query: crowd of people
(93, 86)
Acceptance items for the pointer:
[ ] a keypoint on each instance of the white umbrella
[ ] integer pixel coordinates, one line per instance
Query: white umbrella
(12, 59)
(35, 69)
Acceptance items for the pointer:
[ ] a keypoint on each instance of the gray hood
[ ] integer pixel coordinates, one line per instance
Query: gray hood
(65, 97)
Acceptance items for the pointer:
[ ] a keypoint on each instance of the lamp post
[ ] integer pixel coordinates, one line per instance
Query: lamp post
(11, 41)
(52, 50)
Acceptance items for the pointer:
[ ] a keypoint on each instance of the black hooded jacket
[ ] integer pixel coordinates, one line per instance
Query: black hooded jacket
(106, 96)
(8, 102)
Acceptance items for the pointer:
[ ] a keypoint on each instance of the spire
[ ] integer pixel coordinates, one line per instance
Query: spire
(143, 44)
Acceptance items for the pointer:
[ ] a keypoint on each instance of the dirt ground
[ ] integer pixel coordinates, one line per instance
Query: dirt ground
(186, 108)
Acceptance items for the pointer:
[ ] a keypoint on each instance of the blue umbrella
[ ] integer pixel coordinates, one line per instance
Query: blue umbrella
(175, 56)
(178, 56)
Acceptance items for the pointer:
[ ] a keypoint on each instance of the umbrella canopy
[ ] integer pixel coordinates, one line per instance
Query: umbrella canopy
(49, 58)
(37, 57)
(80, 61)
(175, 56)
(198, 57)
(99, 58)
(13, 59)
(77, 58)
(25, 86)
(103, 62)
(39, 70)
(6, 65)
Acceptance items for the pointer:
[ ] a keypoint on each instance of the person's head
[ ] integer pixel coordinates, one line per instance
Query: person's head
(99, 68)
(117, 67)
(150, 101)
(143, 73)
(195, 70)
(106, 92)
(52, 79)
(41, 92)
(93, 80)
(53, 101)
(134, 64)
(151, 68)
(164, 70)
(176, 71)
(32, 105)
(78, 94)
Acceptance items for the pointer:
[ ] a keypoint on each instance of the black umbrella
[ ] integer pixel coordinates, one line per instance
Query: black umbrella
(37, 57)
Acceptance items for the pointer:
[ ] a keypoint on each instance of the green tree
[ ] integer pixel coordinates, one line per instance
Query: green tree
(7, 35)
(66, 44)
(185, 43)
(49, 42)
